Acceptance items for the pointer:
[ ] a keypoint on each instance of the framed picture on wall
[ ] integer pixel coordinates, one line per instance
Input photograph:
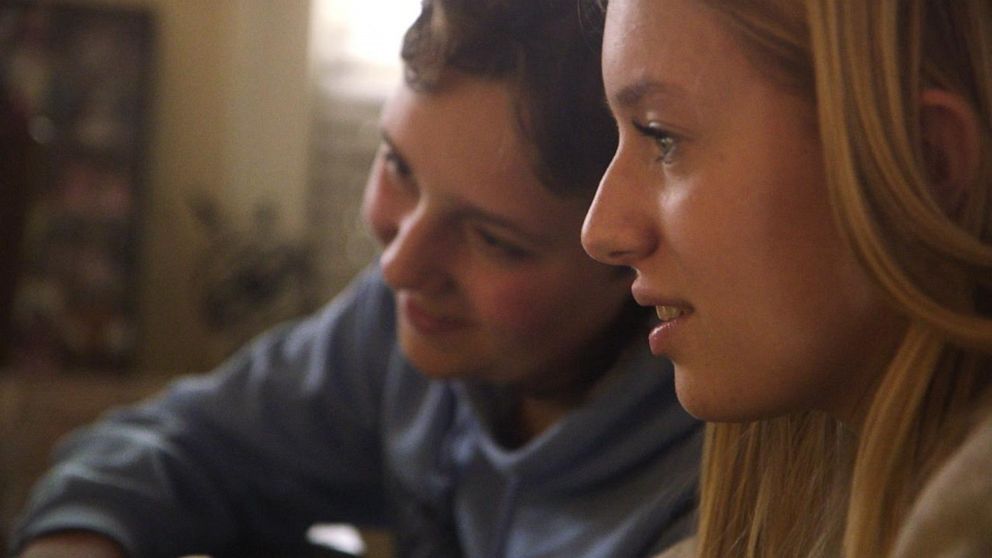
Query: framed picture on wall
(78, 80)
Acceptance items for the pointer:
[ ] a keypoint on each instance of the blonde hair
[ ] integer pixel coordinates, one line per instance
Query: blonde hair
(802, 485)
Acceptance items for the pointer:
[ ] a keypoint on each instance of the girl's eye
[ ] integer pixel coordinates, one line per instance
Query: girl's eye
(501, 247)
(666, 141)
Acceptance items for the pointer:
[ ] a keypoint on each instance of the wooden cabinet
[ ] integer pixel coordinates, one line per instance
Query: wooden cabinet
(15, 145)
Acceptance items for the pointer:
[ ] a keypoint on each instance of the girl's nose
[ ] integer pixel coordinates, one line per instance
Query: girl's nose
(618, 229)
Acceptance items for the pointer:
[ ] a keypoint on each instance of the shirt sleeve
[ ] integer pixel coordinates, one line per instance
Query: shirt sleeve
(284, 434)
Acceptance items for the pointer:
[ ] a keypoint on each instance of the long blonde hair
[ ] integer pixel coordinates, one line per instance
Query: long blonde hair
(802, 485)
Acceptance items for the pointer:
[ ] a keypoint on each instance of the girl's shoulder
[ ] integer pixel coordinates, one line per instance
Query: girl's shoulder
(952, 518)
(684, 549)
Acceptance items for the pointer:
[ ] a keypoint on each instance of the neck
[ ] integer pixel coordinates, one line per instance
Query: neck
(535, 414)
(537, 407)
(853, 406)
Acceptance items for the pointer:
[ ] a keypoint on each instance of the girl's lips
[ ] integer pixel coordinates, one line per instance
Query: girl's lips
(668, 313)
(426, 322)
(662, 337)
(666, 306)
(672, 316)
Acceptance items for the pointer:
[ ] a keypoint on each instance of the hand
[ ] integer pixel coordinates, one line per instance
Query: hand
(73, 544)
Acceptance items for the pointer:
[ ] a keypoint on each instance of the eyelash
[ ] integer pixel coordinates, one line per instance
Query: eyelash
(666, 142)
(397, 165)
(504, 248)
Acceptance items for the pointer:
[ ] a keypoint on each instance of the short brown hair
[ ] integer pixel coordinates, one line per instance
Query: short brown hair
(548, 52)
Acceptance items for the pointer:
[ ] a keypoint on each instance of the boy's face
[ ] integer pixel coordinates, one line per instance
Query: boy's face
(490, 278)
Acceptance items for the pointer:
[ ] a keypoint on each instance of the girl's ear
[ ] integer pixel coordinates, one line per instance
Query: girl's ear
(951, 146)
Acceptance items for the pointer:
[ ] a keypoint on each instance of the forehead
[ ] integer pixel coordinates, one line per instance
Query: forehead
(463, 143)
(669, 49)
(467, 116)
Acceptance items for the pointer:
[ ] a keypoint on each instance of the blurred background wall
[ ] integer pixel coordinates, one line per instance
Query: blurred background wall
(231, 122)
(262, 122)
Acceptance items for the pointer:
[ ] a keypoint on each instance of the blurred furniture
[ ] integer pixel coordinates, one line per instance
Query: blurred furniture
(78, 78)
(14, 148)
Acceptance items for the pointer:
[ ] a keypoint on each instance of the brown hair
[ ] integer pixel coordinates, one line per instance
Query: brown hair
(544, 50)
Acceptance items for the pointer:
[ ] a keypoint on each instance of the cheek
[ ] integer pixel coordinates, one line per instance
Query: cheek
(786, 308)
(705, 238)
(518, 305)
(516, 308)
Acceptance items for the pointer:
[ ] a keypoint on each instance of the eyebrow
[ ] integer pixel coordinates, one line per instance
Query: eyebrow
(472, 212)
(631, 95)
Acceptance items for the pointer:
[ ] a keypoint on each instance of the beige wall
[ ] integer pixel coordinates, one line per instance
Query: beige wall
(231, 114)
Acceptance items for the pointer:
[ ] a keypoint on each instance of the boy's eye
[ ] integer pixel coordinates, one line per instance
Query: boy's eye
(499, 246)
(665, 140)
(396, 165)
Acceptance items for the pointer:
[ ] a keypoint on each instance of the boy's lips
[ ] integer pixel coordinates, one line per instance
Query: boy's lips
(426, 321)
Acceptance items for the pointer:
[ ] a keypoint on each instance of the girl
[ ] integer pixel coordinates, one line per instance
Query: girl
(805, 192)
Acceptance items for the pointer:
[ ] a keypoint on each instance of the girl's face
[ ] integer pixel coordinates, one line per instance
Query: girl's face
(490, 277)
(717, 198)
